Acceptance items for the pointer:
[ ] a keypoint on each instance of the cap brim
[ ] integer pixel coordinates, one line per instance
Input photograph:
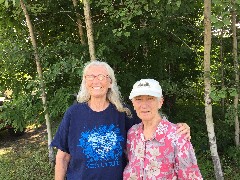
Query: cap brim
(141, 93)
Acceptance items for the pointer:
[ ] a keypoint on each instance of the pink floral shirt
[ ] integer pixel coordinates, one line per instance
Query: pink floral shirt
(167, 156)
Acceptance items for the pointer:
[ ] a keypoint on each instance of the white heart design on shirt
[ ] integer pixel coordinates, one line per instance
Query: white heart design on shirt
(102, 144)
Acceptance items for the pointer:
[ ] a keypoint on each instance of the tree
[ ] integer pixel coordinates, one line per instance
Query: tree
(88, 20)
(207, 84)
(39, 70)
(236, 71)
(79, 23)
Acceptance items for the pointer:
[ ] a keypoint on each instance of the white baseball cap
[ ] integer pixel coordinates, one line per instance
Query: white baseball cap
(149, 87)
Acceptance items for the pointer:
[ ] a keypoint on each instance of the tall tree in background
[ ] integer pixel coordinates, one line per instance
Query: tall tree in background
(207, 84)
(39, 70)
(88, 21)
(79, 23)
(236, 69)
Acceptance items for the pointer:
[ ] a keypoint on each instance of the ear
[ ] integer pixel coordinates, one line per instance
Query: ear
(160, 103)
(110, 85)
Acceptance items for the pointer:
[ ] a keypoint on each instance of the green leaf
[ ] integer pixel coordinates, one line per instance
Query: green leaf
(214, 19)
(2, 1)
(232, 92)
(127, 34)
(226, 22)
(178, 3)
(6, 3)
(146, 7)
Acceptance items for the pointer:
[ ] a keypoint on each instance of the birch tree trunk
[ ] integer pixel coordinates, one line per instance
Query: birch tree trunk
(79, 23)
(88, 21)
(207, 84)
(39, 70)
(222, 70)
(236, 69)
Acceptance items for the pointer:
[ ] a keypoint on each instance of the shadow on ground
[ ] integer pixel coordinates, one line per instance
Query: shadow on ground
(32, 135)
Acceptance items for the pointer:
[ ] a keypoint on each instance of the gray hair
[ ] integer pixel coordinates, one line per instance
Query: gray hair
(113, 94)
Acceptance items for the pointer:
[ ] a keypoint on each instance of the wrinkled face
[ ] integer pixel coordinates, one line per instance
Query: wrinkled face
(97, 81)
(147, 107)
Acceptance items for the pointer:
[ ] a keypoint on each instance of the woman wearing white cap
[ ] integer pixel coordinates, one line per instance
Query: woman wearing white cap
(154, 149)
(92, 135)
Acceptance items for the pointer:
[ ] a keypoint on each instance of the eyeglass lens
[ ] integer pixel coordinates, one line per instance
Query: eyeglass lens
(100, 77)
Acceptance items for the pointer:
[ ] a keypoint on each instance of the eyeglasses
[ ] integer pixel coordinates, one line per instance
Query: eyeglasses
(100, 77)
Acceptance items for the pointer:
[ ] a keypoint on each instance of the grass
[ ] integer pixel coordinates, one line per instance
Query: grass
(25, 157)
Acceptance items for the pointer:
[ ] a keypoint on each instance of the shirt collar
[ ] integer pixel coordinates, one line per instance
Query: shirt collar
(160, 133)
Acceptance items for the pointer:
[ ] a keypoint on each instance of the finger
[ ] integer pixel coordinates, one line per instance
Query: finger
(182, 130)
(188, 137)
(180, 127)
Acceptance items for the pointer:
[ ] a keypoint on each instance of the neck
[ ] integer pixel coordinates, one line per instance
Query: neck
(98, 104)
(149, 127)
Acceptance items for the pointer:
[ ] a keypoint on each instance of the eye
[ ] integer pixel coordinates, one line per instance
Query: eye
(150, 98)
(89, 77)
(138, 99)
(101, 77)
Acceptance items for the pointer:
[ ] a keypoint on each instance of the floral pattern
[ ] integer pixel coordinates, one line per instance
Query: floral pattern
(167, 156)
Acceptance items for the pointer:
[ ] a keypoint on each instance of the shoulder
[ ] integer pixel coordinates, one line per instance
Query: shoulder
(171, 133)
(76, 107)
(168, 126)
(135, 128)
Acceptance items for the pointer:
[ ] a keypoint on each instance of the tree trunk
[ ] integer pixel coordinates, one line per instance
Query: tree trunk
(89, 28)
(39, 70)
(236, 69)
(79, 23)
(222, 71)
(207, 84)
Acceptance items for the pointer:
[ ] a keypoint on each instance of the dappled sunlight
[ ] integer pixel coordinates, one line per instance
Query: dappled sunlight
(4, 151)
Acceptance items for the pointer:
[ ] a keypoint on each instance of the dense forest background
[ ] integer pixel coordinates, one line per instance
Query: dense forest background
(160, 39)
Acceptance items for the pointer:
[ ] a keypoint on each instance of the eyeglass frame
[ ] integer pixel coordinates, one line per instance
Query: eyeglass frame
(98, 76)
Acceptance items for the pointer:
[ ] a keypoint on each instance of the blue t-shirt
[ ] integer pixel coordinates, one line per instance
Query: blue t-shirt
(95, 140)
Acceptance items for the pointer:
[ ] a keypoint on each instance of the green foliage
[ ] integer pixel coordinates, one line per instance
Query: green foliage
(206, 166)
(217, 95)
(21, 111)
(233, 154)
(230, 114)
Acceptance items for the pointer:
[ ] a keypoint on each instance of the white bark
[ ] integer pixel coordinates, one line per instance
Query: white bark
(207, 84)
(88, 21)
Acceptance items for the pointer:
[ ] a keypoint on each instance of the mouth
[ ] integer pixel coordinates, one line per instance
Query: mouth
(96, 88)
(145, 112)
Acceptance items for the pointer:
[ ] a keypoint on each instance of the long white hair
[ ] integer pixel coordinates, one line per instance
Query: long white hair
(113, 94)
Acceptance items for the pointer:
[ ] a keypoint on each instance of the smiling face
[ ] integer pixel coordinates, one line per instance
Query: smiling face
(97, 86)
(147, 107)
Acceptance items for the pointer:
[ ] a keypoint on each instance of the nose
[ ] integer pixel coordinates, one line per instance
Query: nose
(95, 79)
(144, 104)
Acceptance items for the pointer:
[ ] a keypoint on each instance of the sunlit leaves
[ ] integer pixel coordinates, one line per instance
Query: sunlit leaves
(218, 94)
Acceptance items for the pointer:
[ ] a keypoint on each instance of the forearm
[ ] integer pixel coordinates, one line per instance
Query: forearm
(61, 168)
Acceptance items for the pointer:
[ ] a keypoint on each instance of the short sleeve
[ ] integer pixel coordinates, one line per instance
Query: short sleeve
(60, 140)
